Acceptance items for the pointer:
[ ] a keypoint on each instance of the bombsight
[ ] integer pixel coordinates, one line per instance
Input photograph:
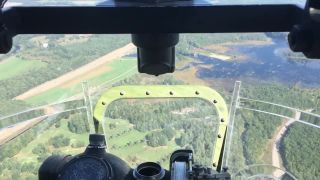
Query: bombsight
(95, 163)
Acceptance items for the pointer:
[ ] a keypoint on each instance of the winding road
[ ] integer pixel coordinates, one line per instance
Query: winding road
(276, 156)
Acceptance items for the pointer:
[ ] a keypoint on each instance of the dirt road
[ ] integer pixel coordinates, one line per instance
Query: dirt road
(14, 130)
(276, 156)
(78, 72)
(9, 133)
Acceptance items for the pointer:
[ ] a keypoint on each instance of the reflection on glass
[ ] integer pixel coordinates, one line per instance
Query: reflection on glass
(26, 145)
(271, 140)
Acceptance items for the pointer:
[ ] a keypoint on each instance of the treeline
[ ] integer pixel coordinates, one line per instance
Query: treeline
(139, 79)
(8, 107)
(300, 151)
(9, 166)
(189, 42)
(254, 130)
(286, 95)
(149, 115)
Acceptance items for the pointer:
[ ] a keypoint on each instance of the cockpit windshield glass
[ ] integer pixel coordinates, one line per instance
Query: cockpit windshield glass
(141, 2)
(51, 87)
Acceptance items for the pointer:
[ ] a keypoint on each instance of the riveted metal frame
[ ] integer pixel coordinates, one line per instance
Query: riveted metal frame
(176, 91)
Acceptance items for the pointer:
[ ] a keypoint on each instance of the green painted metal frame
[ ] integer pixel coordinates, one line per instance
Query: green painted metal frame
(163, 91)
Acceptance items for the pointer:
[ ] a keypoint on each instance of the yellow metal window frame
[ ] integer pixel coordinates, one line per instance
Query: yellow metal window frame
(163, 91)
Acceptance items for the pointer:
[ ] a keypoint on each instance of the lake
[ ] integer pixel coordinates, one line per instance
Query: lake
(263, 62)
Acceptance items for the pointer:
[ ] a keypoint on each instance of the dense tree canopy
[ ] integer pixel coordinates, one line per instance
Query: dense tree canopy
(78, 123)
(155, 139)
(59, 141)
(300, 149)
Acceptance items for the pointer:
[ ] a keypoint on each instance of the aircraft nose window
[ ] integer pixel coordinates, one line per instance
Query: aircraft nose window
(57, 83)
(132, 90)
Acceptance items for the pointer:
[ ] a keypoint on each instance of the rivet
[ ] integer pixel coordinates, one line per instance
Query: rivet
(103, 103)
(197, 92)
(214, 164)
(215, 101)
(121, 93)
(147, 93)
(219, 136)
(171, 93)
(222, 120)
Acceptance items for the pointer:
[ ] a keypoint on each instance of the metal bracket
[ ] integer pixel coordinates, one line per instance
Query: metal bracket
(177, 91)
(305, 37)
(5, 37)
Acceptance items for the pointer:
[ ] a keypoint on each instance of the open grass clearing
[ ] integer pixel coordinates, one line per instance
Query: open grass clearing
(14, 66)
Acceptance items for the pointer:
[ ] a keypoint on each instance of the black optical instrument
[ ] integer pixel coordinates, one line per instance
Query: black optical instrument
(96, 164)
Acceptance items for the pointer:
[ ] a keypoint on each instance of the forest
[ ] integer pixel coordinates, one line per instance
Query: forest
(13, 168)
(305, 161)
(165, 121)
(190, 122)
(254, 130)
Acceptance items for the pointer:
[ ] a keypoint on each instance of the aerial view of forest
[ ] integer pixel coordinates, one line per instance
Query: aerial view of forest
(43, 110)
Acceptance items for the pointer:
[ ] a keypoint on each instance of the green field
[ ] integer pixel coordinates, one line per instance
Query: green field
(120, 69)
(132, 153)
(13, 66)
(52, 95)
(26, 155)
(141, 152)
